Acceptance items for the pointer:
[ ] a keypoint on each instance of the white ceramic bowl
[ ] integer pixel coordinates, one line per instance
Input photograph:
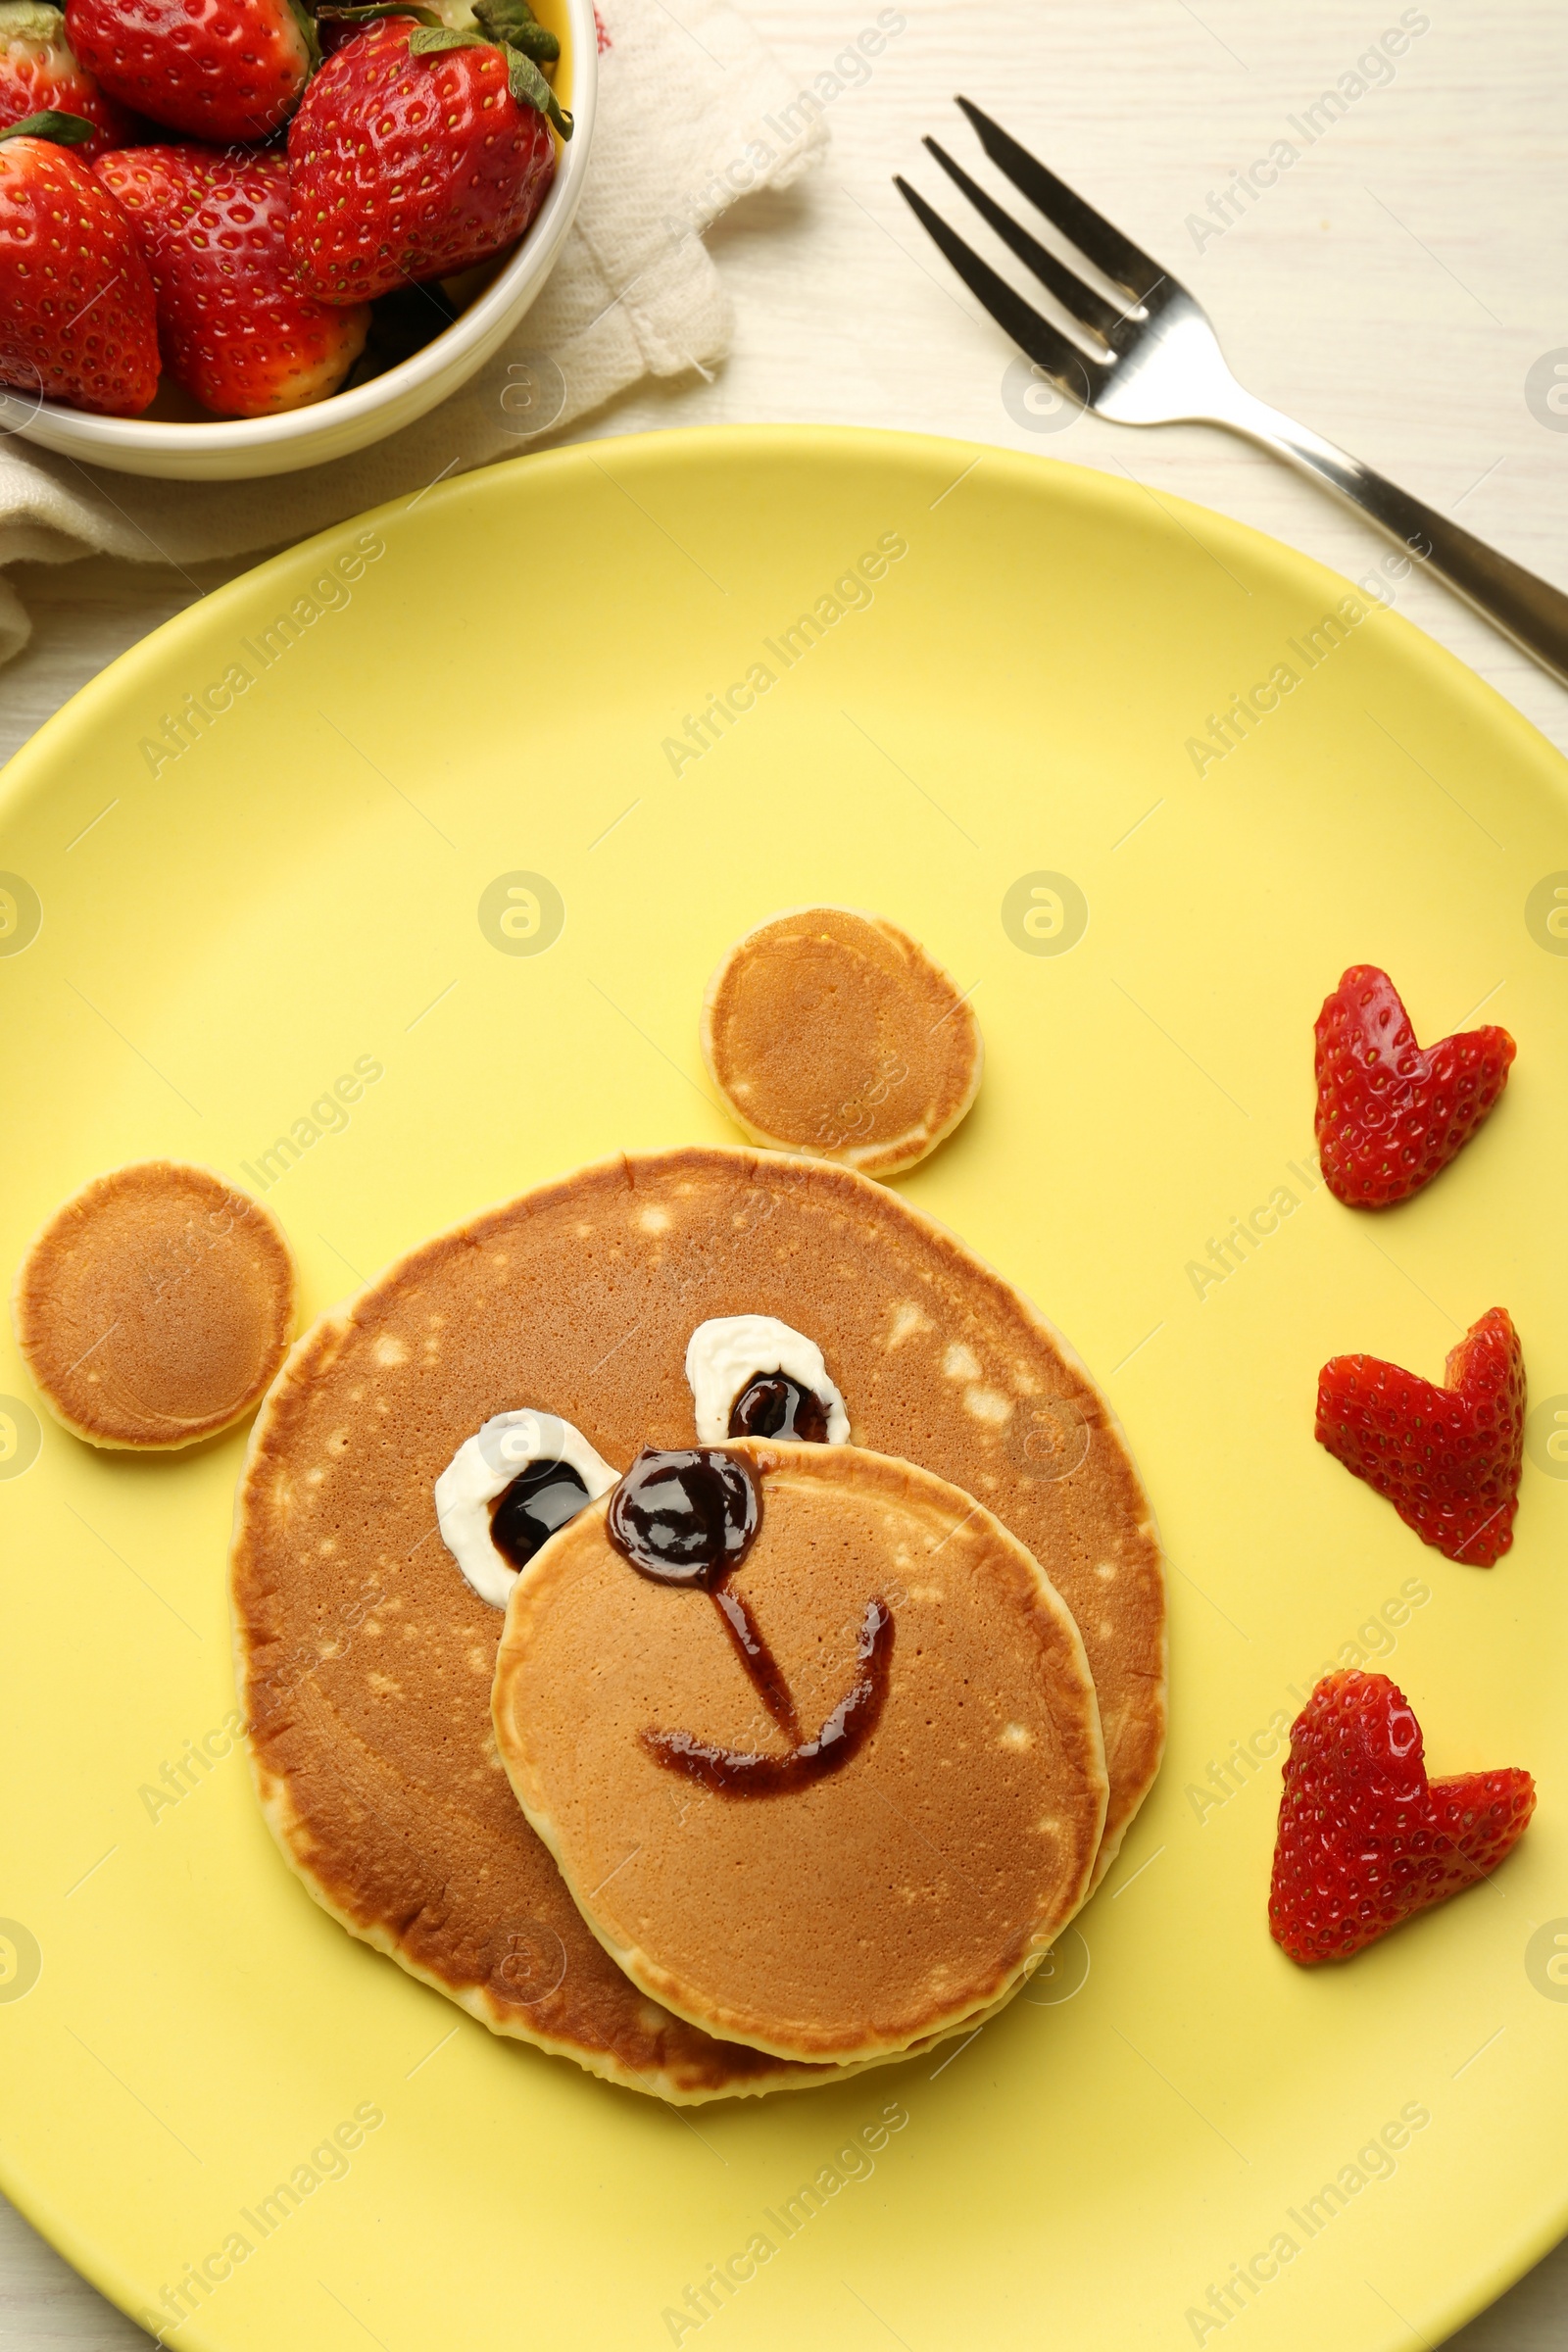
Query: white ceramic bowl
(234, 449)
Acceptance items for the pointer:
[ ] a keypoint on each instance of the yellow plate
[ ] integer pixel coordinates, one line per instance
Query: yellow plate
(986, 732)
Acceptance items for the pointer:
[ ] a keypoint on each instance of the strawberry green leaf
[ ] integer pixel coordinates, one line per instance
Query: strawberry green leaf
(530, 88)
(67, 131)
(372, 10)
(527, 84)
(513, 22)
(429, 40)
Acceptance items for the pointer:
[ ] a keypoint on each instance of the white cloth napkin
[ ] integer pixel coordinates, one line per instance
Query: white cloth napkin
(692, 112)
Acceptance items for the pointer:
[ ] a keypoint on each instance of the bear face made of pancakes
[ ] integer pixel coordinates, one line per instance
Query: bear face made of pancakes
(366, 1660)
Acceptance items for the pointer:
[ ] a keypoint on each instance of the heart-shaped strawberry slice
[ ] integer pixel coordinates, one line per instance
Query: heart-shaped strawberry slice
(1449, 1460)
(1391, 1113)
(1365, 1839)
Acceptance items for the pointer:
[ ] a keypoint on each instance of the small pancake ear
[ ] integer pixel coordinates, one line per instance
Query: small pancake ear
(832, 1033)
(155, 1306)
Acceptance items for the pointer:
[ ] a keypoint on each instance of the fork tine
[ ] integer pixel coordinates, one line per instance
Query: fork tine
(1116, 256)
(1090, 308)
(1069, 368)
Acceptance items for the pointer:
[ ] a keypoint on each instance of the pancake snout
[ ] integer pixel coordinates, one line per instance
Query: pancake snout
(844, 1913)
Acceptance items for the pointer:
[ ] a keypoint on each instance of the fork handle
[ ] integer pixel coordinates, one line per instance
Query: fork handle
(1523, 606)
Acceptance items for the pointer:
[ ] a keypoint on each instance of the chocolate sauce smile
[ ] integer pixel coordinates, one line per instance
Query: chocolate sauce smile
(737, 1772)
(688, 1519)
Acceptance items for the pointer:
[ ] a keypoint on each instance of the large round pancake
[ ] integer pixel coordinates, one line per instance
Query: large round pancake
(366, 1662)
(833, 1033)
(893, 1898)
(155, 1307)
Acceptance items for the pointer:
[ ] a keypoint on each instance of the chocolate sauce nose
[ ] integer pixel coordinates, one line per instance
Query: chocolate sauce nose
(686, 1518)
(526, 1514)
(776, 1406)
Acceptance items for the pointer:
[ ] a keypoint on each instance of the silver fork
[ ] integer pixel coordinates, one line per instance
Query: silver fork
(1154, 358)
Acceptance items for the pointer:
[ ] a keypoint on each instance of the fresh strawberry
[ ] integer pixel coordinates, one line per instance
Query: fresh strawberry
(1391, 1115)
(1449, 1460)
(233, 325)
(219, 70)
(416, 152)
(1365, 1839)
(39, 73)
(76, 319)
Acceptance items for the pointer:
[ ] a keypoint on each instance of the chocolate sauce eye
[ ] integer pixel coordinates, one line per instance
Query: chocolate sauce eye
(776, 1406)
(686, 1518)
(526, 1514)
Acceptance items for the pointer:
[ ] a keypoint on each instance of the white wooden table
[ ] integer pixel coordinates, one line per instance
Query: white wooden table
(1393, 289)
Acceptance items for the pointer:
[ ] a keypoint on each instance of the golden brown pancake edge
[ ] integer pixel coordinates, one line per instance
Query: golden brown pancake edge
(857, 936)
(47, 1289)
(676, 2085)
(320, 1785)
(674, 2088)
(810, 1895)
